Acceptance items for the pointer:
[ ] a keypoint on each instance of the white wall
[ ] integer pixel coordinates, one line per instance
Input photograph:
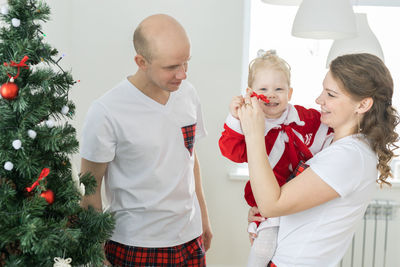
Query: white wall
(96, 36)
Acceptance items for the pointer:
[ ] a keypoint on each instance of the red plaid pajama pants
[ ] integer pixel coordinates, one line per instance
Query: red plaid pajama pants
(190, 254)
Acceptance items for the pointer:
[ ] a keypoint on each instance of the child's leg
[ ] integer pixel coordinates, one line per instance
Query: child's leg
(263, 247)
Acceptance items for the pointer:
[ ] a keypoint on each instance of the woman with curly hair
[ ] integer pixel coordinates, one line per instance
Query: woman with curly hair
(320, 208)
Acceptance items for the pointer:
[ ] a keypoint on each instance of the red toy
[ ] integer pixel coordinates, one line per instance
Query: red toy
(262, 97)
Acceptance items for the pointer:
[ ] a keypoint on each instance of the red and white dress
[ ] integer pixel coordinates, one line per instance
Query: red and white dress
(296, 136)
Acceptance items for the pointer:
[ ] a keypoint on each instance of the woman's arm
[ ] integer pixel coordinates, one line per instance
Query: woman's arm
(305, 191)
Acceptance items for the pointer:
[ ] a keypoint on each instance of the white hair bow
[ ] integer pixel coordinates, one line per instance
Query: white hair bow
(263, 53)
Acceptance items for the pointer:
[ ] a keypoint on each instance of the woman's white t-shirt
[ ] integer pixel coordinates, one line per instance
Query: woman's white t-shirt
(321, 235)
(149, 182)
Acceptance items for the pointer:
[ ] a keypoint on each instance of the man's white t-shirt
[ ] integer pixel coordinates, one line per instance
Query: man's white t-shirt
(149, 182)
(321, 235)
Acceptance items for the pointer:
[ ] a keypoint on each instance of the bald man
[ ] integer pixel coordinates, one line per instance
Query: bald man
(140, 137)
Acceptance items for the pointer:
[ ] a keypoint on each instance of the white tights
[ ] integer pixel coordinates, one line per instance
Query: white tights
(263, 247)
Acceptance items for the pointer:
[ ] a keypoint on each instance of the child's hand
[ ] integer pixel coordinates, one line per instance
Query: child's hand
(253, 215)
(236, 103)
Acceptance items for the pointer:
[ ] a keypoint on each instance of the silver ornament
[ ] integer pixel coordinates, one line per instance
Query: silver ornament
(32, 134)
(17, 144)
(65, 110)
(4, 10)
(8, 166)
(50, 123)
(15, 22)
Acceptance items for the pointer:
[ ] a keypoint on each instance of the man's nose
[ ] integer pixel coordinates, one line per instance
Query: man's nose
(181, 74)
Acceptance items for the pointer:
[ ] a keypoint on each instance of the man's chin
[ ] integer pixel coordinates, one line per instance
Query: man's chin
(174, 86)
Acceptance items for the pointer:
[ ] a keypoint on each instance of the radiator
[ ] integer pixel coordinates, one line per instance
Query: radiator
(369, 247)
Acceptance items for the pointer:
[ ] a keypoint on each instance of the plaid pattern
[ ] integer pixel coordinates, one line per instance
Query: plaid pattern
(271, 264)
(190, 254)
(299, 169)
(189, 133)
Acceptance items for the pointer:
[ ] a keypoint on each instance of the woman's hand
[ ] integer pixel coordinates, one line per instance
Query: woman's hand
(252, 118)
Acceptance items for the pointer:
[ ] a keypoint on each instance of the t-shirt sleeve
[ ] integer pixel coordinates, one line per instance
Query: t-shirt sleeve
(200, 126)
(201, 129)
(98, 136)
(340, 167)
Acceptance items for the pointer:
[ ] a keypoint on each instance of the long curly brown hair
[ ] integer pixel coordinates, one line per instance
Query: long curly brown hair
(365, 75)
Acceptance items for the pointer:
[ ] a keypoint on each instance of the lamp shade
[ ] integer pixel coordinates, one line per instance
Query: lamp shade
(328, 19)
(365, 42)
(283, 2)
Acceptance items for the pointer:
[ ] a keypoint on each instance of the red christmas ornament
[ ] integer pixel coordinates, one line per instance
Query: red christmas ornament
(48, 195)
(9, 90)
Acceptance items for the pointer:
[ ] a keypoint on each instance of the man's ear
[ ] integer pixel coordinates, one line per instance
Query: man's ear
(141, 62)
(365, 105)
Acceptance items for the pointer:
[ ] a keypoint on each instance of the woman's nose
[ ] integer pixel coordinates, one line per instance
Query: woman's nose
(318, 100)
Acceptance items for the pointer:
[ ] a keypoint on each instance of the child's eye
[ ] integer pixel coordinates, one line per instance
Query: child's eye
(278, 89)
(263, 89)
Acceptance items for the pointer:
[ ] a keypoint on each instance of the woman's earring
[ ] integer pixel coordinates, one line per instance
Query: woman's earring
(358, 123)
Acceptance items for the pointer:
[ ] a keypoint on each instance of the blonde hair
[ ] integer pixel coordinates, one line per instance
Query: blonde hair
(267, 59)
(365, 75)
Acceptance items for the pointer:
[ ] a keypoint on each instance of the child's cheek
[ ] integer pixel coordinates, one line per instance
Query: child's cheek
(262, 106)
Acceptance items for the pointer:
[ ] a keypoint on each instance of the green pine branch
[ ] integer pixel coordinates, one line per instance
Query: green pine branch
(33, 230)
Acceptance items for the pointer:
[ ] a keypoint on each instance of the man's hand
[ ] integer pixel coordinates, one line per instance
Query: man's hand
(207, 236)
(105, 261)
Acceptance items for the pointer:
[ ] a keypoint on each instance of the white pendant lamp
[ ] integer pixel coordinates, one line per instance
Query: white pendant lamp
(365, 42)
(327, 19)
(283, 2)
(354, 2)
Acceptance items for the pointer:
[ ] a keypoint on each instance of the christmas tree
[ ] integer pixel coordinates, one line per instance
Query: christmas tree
(41, 221)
